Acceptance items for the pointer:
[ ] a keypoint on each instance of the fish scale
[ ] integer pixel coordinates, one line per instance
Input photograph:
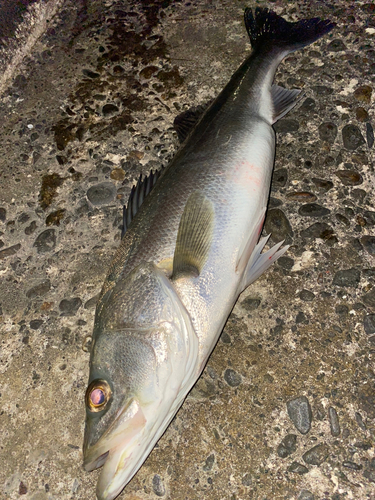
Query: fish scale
(191, 248)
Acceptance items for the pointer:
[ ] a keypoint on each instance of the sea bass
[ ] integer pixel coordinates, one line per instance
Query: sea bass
(190, 249)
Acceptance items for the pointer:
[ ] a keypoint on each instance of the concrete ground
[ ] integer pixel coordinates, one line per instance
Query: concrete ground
(285, 408)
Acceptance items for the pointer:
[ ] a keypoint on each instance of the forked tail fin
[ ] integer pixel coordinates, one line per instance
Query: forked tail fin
(268, 29)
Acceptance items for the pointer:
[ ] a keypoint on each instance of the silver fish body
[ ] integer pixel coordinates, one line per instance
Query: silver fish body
(190, 250)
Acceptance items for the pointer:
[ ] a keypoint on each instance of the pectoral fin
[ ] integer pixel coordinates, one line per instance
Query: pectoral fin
(194, 236)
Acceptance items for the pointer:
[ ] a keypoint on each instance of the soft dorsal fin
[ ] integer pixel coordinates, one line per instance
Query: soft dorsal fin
(194, 236)
(283, 101)
(136, 197)
(186, 121)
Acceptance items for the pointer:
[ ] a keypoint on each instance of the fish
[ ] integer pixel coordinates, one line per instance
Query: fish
(191, 246)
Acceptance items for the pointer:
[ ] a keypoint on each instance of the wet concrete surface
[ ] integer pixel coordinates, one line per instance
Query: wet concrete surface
(285, 408)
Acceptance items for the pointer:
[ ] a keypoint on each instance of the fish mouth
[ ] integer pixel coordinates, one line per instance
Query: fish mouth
(114, 451)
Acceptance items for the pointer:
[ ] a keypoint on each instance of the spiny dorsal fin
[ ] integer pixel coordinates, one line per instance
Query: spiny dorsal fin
(186, 121)
(136, 197)
(194, 236)
(283, 101)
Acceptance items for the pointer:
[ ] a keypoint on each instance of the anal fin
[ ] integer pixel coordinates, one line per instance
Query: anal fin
(260, 262)
(194, 236)
(283, 101)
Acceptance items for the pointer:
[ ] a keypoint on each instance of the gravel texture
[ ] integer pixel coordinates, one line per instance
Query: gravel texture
(285, 408)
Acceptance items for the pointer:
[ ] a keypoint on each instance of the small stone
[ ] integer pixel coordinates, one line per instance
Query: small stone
(318, 230)
(20, 82)
(22, 490)
(46, 241)
(306, 295)
(90, 74)
(363, 94)
(39, 290)
(286, 125)
(8, 252)
(313, 210)
(341, 218)
(316, 455)
(35, 324)
(3, 214)
(347, 277)
(328, 132)
(232, 378)
(158, 486)
(352, 465)
(306, 495)
(368, 243)
(109, 109)
(69, 307)
(287, 446)
(334, 421)
(360, 422)
(308, 105)
(23, 218)
(349, 177)
(118, 70)
(87, 343)
(370, 475)
(301, 196)
(369, 135)
(209, 463)
(352, 137)
(274, 203)
(118, 174)
(342, 310)
(300, 318)
(31, 228)
(148, 72)
(361, 115)
(323, 185)
(322, 89)
(299, 411)
(285, 262)
(358, 194)
(101, 194)
(278, 226)
(247, 479)
(336, 45)
(225, 338)
(369, 324)
(298, 468)
(91, 303)
(250, 303)
(280, 177)
(370, 217)
(363, 445)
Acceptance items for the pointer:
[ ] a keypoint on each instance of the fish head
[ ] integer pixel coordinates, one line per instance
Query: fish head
(143, 356)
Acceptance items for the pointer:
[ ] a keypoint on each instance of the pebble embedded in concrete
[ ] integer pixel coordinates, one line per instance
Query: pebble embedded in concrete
(299, 411)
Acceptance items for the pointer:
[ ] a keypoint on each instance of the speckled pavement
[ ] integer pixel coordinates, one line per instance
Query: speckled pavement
(285, 408)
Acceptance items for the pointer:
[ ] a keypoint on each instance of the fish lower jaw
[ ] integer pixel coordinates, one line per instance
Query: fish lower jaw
(95, 464)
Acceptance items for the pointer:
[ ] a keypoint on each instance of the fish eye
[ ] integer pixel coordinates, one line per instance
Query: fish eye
(98, 395)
